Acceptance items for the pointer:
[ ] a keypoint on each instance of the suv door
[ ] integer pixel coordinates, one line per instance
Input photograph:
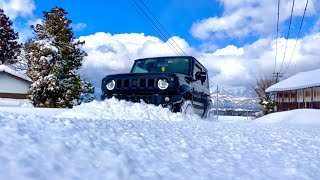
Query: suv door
(197, 91)
(207, 102)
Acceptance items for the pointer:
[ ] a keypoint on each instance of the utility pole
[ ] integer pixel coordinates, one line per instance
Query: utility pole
(217, 102)
(277, 76)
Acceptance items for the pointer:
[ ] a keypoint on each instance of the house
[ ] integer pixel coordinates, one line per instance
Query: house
(13, 84)
(299, 91)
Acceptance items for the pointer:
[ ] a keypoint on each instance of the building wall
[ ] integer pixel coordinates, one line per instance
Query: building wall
(316, 94)
(296, 99)
(11, 84)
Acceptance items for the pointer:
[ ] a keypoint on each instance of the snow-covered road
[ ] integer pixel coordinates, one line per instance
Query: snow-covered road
(121, 140)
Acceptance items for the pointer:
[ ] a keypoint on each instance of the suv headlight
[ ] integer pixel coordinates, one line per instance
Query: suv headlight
(163, 84)
(110, 85)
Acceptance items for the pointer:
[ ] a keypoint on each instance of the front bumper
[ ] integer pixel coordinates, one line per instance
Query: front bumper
(156, 99)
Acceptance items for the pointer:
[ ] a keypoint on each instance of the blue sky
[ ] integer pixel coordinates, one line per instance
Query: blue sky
(121, 16)
(234, 39)
(177, 16)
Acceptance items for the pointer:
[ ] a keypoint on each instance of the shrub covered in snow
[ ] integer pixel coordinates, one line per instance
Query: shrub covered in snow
(53, 59)
(268, 105)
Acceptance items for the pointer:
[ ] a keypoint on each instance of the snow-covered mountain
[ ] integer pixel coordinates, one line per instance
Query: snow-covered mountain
(235, 98)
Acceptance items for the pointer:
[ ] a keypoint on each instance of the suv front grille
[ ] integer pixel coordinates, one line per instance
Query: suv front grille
(119, 83)
(126, 83)
(150, 82)
(135, 83)
(143, 83)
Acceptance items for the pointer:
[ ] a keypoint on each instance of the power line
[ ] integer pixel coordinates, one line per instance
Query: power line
(159, 32)
(210, 81)
(162, 26)
(220, 87)
(275, 58)
(285, 50)
(154, 26)
(294, 48)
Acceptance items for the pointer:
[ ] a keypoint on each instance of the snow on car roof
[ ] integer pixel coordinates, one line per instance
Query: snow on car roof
(299, 81)
(4, 68)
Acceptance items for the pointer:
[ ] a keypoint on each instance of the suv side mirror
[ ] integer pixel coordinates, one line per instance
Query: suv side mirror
(189, 78)
(202, 76)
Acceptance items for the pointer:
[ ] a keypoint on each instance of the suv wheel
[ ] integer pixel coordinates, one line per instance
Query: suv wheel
(186, 107)
(207, 109)
(206, 113)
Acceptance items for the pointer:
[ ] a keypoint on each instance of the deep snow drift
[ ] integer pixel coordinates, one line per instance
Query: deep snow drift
(121, 140)
(6, 102)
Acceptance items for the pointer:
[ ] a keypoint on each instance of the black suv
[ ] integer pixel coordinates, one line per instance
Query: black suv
(178, 82)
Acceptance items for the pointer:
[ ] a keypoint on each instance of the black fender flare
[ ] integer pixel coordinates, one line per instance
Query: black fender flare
(186, 92)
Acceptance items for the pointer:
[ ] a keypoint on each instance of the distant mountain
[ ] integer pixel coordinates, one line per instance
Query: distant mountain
(235, 99)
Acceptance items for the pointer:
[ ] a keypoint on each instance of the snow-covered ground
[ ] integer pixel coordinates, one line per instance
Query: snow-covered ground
(122, 140)
(6, 102)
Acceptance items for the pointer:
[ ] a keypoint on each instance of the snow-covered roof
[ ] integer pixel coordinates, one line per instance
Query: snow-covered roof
(299, 81)
(4, 68)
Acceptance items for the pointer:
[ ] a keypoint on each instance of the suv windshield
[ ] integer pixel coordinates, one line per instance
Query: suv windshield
(162, 65)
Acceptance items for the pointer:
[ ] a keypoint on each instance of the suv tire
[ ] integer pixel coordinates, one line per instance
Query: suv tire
(186, 107)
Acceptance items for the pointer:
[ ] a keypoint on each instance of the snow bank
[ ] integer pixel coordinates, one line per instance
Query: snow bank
(298, 117)
(7, 102)
(97, 141)
(123, 110)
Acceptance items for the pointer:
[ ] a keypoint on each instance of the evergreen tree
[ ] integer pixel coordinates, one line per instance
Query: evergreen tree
(9, 47)
(53, 59)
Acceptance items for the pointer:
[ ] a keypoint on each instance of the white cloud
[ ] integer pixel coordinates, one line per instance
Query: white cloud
(26, 32)
(311, 45)
(258, 58)
(228, 66)
(116, 53)
(79, 26)
(34, 21)
(22, 8)
(249, 17)
(14, 8)
(230, 50)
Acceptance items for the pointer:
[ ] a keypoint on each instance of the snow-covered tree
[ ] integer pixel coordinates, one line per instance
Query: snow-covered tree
(9, 46)
(267, 104)
(53, 59)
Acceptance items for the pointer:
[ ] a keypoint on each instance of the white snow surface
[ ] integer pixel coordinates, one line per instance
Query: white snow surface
(8, 102)
(4, 68)
(122, 140)
(293, 117)
(299, 81)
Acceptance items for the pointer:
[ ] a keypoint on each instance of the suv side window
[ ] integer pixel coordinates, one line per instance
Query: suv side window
(196, 69)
